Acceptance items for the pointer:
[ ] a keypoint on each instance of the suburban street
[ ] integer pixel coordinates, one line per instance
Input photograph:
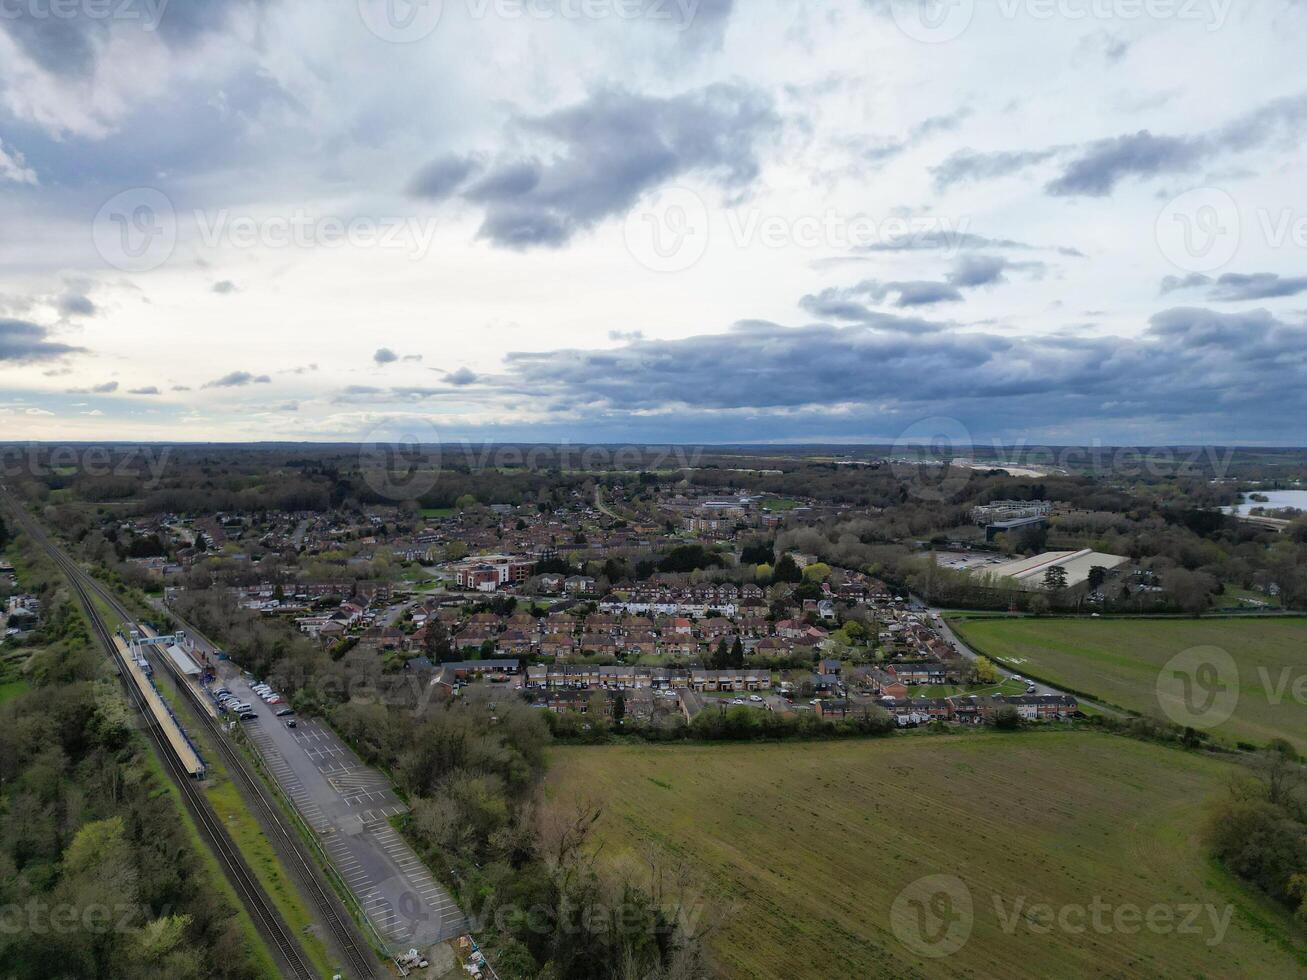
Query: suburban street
(1040, 687)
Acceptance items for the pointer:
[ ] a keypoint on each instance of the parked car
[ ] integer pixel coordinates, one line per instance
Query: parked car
(249, 716)
(283, 712)
(756, 698)
(290, 722)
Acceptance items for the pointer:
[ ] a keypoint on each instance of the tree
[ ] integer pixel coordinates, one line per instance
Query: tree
(816, 572)
(1097, 576)
(4, 533)
(436, 643)
(737, 655)
(983, 671)
(1055, 578)
(787, 570)
(721, 656)
(619, 707)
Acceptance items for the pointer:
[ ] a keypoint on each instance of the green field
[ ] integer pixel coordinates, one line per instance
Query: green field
(12, 689)
(1120, 660)
(799, 850)
(437, 512)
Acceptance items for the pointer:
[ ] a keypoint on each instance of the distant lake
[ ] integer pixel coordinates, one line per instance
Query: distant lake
(1274, 500)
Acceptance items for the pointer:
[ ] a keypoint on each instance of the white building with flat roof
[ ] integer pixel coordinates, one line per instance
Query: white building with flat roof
(1029, 572)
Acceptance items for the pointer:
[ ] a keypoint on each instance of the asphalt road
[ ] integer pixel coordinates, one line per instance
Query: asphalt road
(1040, 688)
(348, 805)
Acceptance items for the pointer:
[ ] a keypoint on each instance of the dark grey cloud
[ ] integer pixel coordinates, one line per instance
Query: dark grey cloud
(1101, 165)
(1190, 369)
(1193, 280)
(441, 177)
(238, 379)
(968, 165)
(596, 158)
(72, 45)
(849, 302)
(148, 390)
(978, 270)
(74, 303)
(1094, 169)
(970, 271)
(107, 388)
(384, 355)
(882, 150)
(1233, 287)
(22, 342)
(461, 377)
(955, 241)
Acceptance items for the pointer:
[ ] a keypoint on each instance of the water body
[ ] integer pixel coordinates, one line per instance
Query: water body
(1274, 499)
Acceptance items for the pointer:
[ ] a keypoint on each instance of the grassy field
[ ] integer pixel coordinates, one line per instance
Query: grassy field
(12, 689)
(800, 850)
(437, 512)
(1119, 660)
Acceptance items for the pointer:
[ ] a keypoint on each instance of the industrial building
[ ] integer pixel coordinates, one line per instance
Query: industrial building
(1029, 572)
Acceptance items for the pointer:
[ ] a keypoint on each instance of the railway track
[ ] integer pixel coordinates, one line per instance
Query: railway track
(260, 908)
(356, 952)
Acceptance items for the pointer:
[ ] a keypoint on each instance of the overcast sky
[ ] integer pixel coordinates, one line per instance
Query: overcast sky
(654, 220)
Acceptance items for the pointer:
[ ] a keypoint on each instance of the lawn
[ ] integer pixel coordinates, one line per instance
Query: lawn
(12, 689)
(798, 851)
(437, 512)
(1120, 661)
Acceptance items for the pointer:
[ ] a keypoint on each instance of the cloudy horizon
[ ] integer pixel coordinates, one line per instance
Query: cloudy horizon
(660, 221)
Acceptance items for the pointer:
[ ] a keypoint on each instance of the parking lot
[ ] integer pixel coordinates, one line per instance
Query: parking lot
(348, 805)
